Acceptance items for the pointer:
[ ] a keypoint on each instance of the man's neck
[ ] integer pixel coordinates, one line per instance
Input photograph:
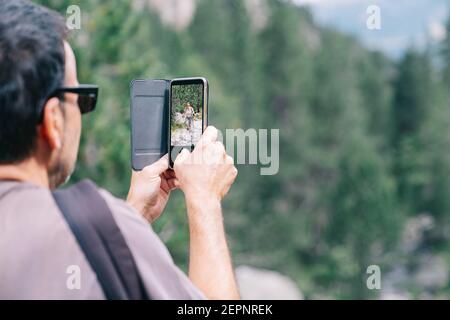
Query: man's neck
(28, 171)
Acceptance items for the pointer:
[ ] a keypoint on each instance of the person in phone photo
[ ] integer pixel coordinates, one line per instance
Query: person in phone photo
(189, 114)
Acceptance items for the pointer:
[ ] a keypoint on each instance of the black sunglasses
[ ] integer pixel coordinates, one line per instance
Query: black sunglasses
(87, 96)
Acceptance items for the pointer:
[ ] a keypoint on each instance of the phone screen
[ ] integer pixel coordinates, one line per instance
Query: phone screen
(186, 115)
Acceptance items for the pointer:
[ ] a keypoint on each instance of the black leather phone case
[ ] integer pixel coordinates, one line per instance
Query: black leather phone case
(149, 121)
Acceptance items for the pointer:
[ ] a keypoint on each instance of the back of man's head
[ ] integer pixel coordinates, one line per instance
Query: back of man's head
(31, 68)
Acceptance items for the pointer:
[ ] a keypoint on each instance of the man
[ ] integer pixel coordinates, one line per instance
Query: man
(189, 114)
(41, 103)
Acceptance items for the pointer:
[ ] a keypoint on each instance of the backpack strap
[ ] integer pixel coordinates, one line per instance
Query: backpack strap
(99, 237)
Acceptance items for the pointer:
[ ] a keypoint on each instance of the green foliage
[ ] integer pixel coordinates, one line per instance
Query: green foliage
(364, 205)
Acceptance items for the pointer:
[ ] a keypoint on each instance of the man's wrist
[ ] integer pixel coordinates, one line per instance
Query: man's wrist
(200, 199)
(204, 212)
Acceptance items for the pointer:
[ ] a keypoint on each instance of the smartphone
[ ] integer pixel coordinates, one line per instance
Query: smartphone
(188, 115)
(149, 121)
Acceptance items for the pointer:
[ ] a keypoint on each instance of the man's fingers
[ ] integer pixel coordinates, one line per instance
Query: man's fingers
(158, 167)
(169, 174)
(169, 184)
(210, 135)
(181, 157)
(220, 148)
(173, 183)
(169, 180)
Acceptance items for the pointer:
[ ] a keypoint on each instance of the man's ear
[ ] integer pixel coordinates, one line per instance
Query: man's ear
(52, 127)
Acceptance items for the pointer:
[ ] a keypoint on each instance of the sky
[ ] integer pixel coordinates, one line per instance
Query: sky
(403, 23)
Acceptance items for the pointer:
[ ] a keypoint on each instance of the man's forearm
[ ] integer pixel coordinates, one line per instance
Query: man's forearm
(210, 267)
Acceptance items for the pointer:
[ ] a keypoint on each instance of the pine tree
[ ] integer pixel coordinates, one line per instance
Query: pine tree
(411, 109)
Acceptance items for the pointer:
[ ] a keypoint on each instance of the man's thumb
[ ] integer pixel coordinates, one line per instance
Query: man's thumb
(158, 167)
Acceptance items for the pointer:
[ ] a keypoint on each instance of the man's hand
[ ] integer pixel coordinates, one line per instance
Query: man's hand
(206, 173)
(150, 189)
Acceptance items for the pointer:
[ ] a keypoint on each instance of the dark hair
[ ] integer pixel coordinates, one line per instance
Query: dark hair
(31, 68)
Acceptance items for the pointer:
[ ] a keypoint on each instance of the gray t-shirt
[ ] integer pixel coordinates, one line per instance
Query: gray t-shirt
(39, 255)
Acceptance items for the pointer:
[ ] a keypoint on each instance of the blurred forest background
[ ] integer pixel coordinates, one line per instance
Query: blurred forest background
(364, 140)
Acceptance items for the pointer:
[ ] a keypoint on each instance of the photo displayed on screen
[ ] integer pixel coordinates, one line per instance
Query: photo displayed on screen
(186, 117)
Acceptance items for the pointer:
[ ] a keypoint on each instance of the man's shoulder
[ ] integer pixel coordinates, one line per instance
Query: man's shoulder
(24, 196)
(31, 221)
